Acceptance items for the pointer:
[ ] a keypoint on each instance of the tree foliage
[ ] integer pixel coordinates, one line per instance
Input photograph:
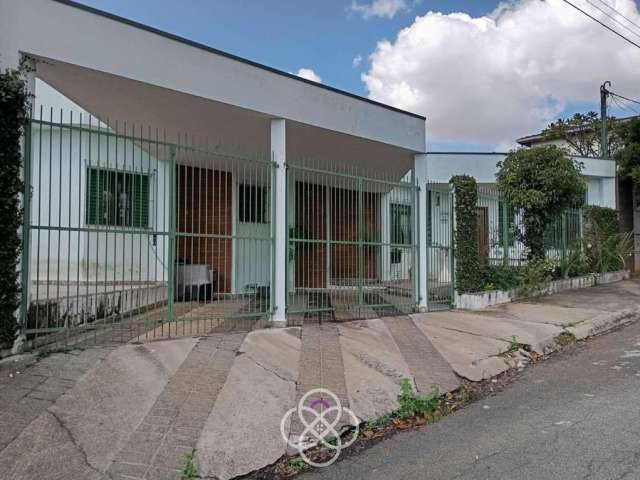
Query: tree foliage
(13, 119)
(628, 157)
(542, 182)
(583, 134)
(468, 273)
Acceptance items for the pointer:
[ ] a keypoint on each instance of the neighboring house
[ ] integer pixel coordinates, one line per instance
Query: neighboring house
(221, 189)
(627, 198)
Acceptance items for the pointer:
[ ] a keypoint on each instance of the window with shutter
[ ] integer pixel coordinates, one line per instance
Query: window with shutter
(117, 198)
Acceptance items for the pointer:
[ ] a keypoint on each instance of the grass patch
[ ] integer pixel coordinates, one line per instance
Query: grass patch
(514, 346)
(566, 338)
(190, 470)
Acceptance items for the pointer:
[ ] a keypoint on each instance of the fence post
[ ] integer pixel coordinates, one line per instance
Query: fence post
(280, 220)
(421, 266)
(172, 232)
(26, 230)
(360, 230)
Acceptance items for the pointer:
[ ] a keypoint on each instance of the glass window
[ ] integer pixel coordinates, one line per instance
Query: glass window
(400, 224)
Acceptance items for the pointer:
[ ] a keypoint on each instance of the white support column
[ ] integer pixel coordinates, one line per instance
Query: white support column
(279, 156)
(420, 176)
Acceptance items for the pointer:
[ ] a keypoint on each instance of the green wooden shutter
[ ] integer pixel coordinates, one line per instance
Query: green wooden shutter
(140, 195)
(93, 196)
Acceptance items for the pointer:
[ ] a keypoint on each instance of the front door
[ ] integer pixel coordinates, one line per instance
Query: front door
(252, 238)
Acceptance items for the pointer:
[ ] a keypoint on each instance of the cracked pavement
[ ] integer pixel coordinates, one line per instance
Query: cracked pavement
(574, 416)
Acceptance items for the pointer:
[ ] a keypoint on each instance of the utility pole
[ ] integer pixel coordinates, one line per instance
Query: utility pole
(604, 139)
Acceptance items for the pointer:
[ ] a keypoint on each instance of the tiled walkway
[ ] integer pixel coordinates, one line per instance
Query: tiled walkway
(171, 429)
(427, 366)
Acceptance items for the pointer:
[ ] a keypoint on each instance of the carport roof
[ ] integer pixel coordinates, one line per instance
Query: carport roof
(231, 56)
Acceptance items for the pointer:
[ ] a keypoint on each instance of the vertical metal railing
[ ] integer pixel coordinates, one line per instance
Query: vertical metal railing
(351, 247)
(440, 245)
(129, 235)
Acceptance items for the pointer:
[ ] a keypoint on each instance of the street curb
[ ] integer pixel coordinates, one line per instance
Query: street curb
(603, 323)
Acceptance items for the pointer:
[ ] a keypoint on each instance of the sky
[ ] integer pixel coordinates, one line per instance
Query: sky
(483, 72)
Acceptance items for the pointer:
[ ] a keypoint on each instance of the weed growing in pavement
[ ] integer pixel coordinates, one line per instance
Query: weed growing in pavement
(566, 338)
(412, 405)
(298, 465)
(514, 346)
(378, 422)
(190, 471)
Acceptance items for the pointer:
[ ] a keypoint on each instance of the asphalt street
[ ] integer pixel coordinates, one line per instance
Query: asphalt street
(573, 416)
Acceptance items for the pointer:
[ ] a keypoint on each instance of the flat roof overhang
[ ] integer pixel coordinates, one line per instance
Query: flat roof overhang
(60, 31)
(141, 110)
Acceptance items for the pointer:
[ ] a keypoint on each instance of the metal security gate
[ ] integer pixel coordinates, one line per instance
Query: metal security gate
(440, 245)
(129, 236)
(351, 245)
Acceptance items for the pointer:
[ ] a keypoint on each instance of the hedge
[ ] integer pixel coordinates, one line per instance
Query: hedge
(468, 273)
(13, 105)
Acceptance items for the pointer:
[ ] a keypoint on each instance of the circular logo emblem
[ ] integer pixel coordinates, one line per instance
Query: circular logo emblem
(320, 413)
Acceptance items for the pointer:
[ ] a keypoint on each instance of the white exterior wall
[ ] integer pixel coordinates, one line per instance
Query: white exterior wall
(59, 181)
(600, 173)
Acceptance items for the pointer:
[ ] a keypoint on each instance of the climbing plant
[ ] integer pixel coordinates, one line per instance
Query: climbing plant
(541, 182)
(468, 273)
(14, 102)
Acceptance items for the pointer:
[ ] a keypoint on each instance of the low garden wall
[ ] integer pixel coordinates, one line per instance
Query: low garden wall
(477, 301)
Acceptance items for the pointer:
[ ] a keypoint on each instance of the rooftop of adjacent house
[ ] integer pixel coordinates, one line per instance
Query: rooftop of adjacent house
(537, 137)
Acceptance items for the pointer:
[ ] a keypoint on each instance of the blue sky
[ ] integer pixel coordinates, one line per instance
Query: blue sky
(326, 36)
(286, 34)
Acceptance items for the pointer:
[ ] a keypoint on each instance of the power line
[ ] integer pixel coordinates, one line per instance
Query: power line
(624, 107)
(613, 18)
(624, 98)
(618, 12)
(602, 23)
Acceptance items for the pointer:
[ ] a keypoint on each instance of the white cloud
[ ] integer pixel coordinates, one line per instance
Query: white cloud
(493, 78)
(309, 74)
(379, 8)
(357, 60)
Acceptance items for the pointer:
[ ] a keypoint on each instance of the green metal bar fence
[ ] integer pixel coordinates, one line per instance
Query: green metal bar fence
(131, 235)
(352, 250)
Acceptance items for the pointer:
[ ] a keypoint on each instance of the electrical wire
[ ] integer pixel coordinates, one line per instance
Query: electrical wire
(624, 107)
(602, 23)
(623, 97)
(613, 18)
(618, 12)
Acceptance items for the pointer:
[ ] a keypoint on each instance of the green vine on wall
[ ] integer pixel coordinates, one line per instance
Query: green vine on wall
(468, 272)
(14, 101)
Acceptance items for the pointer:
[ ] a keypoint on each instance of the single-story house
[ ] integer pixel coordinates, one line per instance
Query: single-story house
(176, 177)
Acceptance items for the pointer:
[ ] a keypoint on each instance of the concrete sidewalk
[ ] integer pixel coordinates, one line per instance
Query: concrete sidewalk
(136, 411)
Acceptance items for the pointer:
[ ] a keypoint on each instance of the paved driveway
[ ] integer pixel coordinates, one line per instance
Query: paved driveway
(136, 411)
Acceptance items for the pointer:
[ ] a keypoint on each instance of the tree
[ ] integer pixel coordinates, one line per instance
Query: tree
(14, 102)
(542, 182)
(628, 157)
(583, 134)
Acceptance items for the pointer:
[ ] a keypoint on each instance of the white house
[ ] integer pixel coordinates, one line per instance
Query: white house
(176, 174)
